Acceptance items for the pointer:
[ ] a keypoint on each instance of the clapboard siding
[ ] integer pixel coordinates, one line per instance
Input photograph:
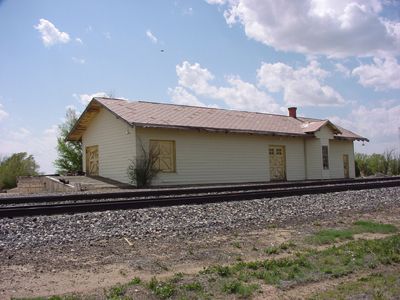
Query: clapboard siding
(337, 150)
(116, 141)
(324, 135)
(313, 158)
(204, 157)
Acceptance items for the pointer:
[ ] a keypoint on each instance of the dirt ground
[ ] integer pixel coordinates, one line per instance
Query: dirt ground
(56, 270)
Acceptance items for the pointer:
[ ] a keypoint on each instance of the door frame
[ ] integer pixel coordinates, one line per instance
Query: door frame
(87, 150)
(283, 147)
(346, 171)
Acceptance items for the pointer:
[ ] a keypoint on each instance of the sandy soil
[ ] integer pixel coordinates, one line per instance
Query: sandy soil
(74, 268)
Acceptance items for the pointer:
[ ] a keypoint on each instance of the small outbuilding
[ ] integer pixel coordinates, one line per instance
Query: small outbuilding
(200, 145)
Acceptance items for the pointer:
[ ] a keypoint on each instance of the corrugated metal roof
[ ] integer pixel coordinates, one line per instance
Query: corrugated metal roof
(150, 114)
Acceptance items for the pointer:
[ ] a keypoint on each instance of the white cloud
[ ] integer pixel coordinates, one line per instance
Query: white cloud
(85, 98)
(3, 113)
(195, 77)
(151, 36)
(380, 124)
(79, 40)
(180, 95)
(302, 86)
(50, 34)
(20, 133)
(383, 74)
(78, 60)
(342, 69)
(335, 28)
(238, 94)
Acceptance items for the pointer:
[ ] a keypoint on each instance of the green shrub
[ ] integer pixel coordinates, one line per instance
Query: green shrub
(141, 171)
(162, 289)
(18, 164)
(237, 287)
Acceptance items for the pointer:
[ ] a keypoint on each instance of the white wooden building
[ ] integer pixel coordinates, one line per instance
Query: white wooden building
(201, 145)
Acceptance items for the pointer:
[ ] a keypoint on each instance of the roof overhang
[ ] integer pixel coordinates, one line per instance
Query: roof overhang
(223, 130)
(359, 138)
(85, 118)
(311, 127)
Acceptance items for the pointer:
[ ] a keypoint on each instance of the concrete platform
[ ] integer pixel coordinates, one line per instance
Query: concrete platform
(85, 183)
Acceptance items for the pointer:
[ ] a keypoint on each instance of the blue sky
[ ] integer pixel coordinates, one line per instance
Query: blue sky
(332, 59)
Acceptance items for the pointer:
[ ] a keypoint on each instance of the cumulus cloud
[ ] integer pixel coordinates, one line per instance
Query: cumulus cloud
(151, 36)
(382, 74)
(238, 94)
(50, 34)
(79, 40)
(379, 123)
(342, 69)
(85, 98)
(180, 95)
(336, 28)
(301, 87)
(3, 113)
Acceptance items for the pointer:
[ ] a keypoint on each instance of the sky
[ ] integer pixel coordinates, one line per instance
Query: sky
(333, 59)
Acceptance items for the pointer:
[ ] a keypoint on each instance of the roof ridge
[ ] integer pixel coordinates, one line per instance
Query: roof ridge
(215, 108)
(108, 98)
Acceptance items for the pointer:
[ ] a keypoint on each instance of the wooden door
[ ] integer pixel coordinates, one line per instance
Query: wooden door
(346, 165)
(92, 161)
(277, 162)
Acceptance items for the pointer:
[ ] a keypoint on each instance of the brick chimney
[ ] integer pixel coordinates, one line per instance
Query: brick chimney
(292, 112)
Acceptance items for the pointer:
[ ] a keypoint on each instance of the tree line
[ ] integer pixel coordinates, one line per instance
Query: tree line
(387, 163)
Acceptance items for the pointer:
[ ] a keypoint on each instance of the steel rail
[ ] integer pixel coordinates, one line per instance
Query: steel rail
(70, 208)
(183, 191)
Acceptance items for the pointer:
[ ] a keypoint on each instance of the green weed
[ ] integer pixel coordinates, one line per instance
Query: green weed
(272, 250)
(193, 286)
(116, 292)
(328, 236)
(314, 265)
(236, 245)
(375, 286)
(135, 281)
(239, 288)
(373, 227)
(162, 289)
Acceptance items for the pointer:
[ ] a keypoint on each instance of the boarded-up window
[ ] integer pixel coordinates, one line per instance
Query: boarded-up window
(325, 158)
(165, 155)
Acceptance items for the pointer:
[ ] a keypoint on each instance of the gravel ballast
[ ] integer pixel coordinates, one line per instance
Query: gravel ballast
(189, 220)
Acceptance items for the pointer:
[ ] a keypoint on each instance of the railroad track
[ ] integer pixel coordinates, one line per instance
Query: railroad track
(182, 197)
(184, 191)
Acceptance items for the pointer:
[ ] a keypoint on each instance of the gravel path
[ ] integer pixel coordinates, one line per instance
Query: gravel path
(187, 221)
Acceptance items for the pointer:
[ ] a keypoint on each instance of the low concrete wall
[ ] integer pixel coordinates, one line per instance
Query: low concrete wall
(54, 185)
(41, 184)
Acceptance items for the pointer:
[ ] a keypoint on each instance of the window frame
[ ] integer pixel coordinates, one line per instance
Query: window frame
(173, 155)
(325, 157)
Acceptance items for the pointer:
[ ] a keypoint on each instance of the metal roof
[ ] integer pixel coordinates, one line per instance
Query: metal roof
(162, 115)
